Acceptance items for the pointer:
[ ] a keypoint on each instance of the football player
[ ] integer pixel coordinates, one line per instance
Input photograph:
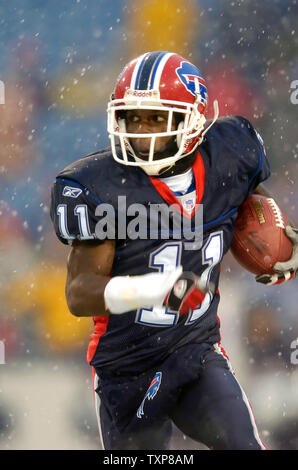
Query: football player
(155, 351)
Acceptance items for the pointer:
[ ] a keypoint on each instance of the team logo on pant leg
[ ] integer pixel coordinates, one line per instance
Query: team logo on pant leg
(151, 392)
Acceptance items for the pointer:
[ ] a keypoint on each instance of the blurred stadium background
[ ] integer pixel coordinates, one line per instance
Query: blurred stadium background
(58, 63)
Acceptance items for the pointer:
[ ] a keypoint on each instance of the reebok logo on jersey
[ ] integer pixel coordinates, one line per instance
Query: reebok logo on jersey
(68, 191)
(151, 392)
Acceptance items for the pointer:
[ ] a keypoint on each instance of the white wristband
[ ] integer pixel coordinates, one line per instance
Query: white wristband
(125, 293)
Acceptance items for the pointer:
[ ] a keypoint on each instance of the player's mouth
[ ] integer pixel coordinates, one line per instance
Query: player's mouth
(161, 150)
(144, 153)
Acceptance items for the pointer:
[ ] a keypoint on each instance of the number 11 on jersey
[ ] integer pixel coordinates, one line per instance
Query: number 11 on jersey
(168, 257)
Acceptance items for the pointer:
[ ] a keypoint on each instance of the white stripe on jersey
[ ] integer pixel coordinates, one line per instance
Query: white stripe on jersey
(218, 349)
(97, 403)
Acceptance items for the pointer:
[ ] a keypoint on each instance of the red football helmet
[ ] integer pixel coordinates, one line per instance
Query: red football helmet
(161, 81)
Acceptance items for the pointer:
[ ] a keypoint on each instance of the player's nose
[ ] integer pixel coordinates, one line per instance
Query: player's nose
(144, 127)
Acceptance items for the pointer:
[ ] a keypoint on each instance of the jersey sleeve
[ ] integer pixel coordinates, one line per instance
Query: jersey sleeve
(77, 214)
(253, 163)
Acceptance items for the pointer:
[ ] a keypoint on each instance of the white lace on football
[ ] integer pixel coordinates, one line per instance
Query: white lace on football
(277, 213)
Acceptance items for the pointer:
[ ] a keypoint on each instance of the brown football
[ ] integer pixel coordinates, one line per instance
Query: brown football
(259, 238)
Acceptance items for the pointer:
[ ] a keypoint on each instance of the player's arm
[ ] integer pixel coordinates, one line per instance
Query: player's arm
(90, 291)
(288, 269)
(88, 272)
(90, 259)
(256, 166)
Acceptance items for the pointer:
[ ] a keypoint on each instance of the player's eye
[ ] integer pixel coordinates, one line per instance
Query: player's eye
(158, 118)
(133, 118)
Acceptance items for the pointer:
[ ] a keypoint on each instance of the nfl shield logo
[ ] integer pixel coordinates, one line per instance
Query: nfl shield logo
(188, 205)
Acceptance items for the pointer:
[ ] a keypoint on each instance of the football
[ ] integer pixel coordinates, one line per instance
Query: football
(259, 238)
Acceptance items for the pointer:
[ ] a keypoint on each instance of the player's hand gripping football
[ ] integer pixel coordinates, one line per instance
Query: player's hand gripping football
(187, 293)
(286, 270)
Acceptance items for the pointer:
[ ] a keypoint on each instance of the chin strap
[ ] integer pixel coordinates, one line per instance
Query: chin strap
(215, 117)
(154, 170)
(215, 109)
(157, 170)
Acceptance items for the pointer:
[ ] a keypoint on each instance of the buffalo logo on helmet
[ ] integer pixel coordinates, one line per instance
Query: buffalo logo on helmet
(188, 74)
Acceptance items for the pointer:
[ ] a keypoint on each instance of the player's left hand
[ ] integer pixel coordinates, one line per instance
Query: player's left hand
(187, 293)
(285, 270)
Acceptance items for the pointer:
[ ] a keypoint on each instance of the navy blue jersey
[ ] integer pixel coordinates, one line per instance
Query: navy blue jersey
(229, 164)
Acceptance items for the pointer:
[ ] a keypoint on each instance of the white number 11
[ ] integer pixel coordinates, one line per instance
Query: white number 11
(168, 257)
